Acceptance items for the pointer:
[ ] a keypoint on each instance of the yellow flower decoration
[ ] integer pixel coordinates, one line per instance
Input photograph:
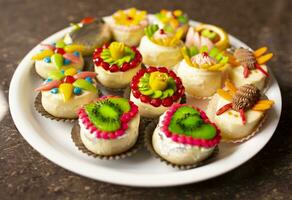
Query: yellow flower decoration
(129, 17)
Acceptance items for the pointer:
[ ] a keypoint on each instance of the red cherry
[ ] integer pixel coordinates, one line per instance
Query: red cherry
(136, 93)
(133, 63)
(155, 102)
(162, 31)
(172, 74)
(151, 69)
(134, 85)
(60, 51)
(181, 91)
(167, 102)
(105, 65)
(105, 45)
(144, 99)
(68, 79)
(175, 97)
(97, 61)
(163, 69)
(114, 68)
(125, 67)
(178, 81)
(87, 20)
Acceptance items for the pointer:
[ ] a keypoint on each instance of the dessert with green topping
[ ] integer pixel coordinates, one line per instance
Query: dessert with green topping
(155, 89)
(185, 135)
(109, 125)
(116, 64)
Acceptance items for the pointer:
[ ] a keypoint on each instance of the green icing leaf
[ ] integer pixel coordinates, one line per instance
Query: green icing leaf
(56, 75)
(60, 44)
(204, 49)
(85, 85)
(213, 52)
(150, 30)
(57, 59)
(187, 121)
(168, 28)
(129, 55)
(182, 19)
(192, 51)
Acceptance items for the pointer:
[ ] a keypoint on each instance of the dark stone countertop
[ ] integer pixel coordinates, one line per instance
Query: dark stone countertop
(25, 174)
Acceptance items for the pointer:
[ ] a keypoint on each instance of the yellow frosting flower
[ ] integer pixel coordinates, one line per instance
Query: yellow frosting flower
(129, 17)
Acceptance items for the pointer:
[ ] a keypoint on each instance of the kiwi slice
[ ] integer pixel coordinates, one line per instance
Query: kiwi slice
(169, 91)
(164, 95)
(147, 92)
(187, 121)
(157, 94)
(105, 115)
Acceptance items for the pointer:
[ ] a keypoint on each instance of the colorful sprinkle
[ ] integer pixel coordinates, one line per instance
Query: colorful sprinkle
(89, 79)
(54, 90)
(77, 90)
(66, 62)
(47, 59)
(76, 53)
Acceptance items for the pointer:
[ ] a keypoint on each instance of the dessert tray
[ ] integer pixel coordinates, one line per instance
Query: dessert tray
(52, 138)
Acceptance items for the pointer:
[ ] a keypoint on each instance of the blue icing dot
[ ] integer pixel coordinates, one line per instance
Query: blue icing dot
(47, 59)
(54, 90)
(48, 80)
(89, 79)
(77, 90)
(62, 71)
(76, 53)
(67, 62)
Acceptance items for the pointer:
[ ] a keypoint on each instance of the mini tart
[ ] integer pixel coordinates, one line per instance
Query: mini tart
(161, 48)
(109, 126)
(116, 64)
(249, 67)
(238, 112)
(89, 34)
(207, 35)
(153, 90)
(127, 25)
(58, 56)
(64, 92)
(185, 136)
(202, 71)
(172, 21)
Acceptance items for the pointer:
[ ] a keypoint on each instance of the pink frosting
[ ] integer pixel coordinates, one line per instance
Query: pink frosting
(188, 139)
(125, 119)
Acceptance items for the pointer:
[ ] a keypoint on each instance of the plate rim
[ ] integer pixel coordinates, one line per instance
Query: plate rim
(120, 178)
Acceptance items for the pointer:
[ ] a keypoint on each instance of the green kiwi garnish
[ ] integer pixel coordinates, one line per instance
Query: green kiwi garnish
(187, 121)
(105, 114)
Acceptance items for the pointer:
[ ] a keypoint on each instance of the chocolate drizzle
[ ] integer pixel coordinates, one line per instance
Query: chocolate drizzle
(245, 97)
(245, 58)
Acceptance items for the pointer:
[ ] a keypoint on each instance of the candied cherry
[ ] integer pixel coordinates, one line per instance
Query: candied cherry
(151, 69)
(60, 51)
(125, 67)
(167, 102)
(136, 93)
(155, 102)
(114, 68)
(144, 99)
(163, 69)
(105, 65)
(68, 79)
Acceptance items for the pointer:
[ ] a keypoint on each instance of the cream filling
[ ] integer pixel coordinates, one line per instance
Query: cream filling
(177, 153)
(157, 55)
(230, 122)
(256, 77)
(55, 105)
(43, 68)
(111, 146)
(131, 36)
(198, 82)
(115, 79)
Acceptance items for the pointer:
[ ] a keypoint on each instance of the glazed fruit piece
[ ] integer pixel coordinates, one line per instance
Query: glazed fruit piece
(65, 91)
(207, 35)
(109, 125)
(202, 70)
(90, 33)
(249, 67)
(127, 25)
(238, 112)
(160, 47)
(116, 64)
(172, 21)
(185, 136)
(58, 56)
(155, 89)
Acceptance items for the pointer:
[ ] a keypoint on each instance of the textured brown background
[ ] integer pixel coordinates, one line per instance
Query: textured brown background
(25, 174)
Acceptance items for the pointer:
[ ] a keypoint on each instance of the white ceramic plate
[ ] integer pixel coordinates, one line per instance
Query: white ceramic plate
(53, 140)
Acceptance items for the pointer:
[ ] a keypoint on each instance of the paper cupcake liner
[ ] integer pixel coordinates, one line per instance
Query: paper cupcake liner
(75, 135)
(148, 144)
(240, 140)
(39, 107)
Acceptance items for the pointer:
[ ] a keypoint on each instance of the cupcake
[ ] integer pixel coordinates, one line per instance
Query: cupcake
(89, 34)
(153, 90)
(249, 67)
(64, 92)
(116, 64)
(57, 56)
(109, 125)
(238, 112)
(161, 48)
(172, 21)
(202, 71)
(128, 25)
(207, 35)
(185, 136)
